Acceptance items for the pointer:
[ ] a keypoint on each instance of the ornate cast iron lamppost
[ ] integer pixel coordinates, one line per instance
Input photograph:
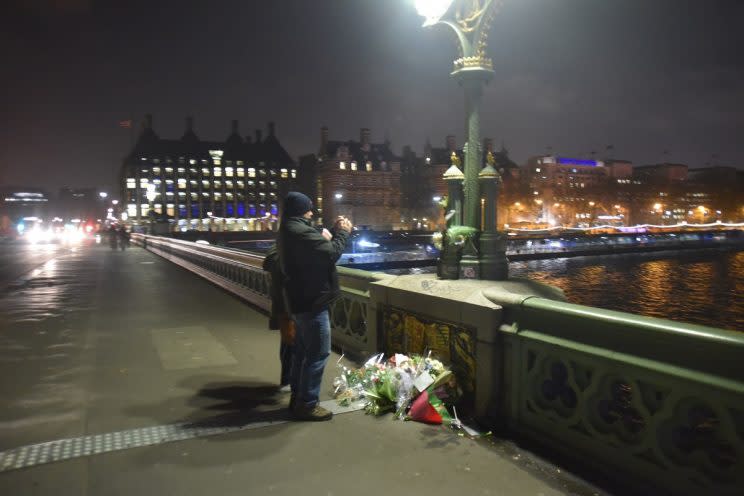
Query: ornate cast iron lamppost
(470, 20)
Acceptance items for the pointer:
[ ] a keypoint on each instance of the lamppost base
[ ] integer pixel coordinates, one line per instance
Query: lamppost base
(494, 266)
(448, 266)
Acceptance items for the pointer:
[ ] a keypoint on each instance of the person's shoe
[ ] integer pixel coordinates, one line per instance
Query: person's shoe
(286, 388)
(316, 413)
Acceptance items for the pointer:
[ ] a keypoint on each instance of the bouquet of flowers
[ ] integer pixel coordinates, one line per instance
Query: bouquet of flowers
(396, 383)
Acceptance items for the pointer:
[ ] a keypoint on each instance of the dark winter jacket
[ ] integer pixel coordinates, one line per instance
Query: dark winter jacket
(309, 264)
(271, 265)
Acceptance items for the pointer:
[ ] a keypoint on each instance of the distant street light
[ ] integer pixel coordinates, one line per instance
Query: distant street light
(470, 20)
(102, 194)
(338, 196)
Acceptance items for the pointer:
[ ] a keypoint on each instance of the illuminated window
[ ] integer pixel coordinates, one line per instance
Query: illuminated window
(169, 181)
(193, 182)
(156, 161)
(217, 172)
(205, 171)
(294, 173)
(240, 184)
(369, 165)
(181, 194)
(217, 161)
(262, 172)
(218, 184)
(169, 209)
(285, 174)
(229, 184)
(537, 169)
(169, 170)
(194, 196)
(229, 171)
(205, 183)
(342, 165)
(262, 184)
(273, 184)
(272, 172)
(241, 172)
(354, 166)
(251, 172)
(131, 183)
(132, 209)
(204, 161)
(240, 162)
(156, 171)
(181, 170)
(228, 162)
(182, 184)
(193, 171)
(218, 196)
(229, 196)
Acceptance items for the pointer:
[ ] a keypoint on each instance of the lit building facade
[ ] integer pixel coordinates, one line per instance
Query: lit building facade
(359, 180)
(22, 203)
(193, 184)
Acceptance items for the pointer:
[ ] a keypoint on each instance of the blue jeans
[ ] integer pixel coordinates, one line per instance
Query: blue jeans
(311, 350)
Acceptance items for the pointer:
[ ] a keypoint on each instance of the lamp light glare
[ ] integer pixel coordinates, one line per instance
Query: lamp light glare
(432, 10)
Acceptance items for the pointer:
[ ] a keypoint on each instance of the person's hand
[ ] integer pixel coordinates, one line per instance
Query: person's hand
(344, 223)
(326, 234)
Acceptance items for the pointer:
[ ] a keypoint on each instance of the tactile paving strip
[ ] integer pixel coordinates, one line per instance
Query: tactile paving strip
(96, 444)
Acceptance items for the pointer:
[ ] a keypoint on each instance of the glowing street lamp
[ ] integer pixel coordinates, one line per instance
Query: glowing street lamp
(470, 20)
(432, 10)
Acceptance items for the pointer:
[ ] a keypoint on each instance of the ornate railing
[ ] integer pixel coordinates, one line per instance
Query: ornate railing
(241, 274)
(659, 400)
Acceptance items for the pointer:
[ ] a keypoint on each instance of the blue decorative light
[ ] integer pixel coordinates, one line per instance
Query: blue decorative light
(577, 161)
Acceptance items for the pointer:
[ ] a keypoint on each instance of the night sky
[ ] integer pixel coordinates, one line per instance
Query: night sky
(643, 75)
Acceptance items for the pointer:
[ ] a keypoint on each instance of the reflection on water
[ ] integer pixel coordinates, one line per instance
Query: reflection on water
(703, 287)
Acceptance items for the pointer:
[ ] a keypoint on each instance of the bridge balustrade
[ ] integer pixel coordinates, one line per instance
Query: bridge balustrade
(657, 402)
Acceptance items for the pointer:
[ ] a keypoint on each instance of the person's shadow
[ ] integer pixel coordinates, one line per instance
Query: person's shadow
(238, 402)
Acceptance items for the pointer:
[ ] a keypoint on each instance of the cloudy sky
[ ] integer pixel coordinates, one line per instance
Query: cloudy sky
(577, 75)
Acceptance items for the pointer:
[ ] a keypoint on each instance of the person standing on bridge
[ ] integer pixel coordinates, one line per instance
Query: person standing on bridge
(280, 318)
(308, 260)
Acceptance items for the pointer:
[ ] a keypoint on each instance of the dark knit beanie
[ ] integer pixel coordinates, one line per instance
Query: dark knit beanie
(296, 204)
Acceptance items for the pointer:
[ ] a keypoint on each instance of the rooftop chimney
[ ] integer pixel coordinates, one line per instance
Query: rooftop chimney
(258, 136)
(272, 128)
(364, 134)
(189, 124)
(488, 145)
(235, 127)
(148, 121)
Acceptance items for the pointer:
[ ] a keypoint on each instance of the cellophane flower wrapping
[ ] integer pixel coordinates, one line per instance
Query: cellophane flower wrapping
(390, 385)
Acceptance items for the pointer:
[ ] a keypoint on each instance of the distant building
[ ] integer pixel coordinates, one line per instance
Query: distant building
(80, 203)
(20, 203)
(660, 173)
(234, 184)
(360, 180)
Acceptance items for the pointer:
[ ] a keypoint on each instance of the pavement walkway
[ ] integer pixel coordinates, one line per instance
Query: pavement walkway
(123, 374)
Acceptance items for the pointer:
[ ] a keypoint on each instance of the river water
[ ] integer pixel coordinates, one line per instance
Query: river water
(698, 286)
